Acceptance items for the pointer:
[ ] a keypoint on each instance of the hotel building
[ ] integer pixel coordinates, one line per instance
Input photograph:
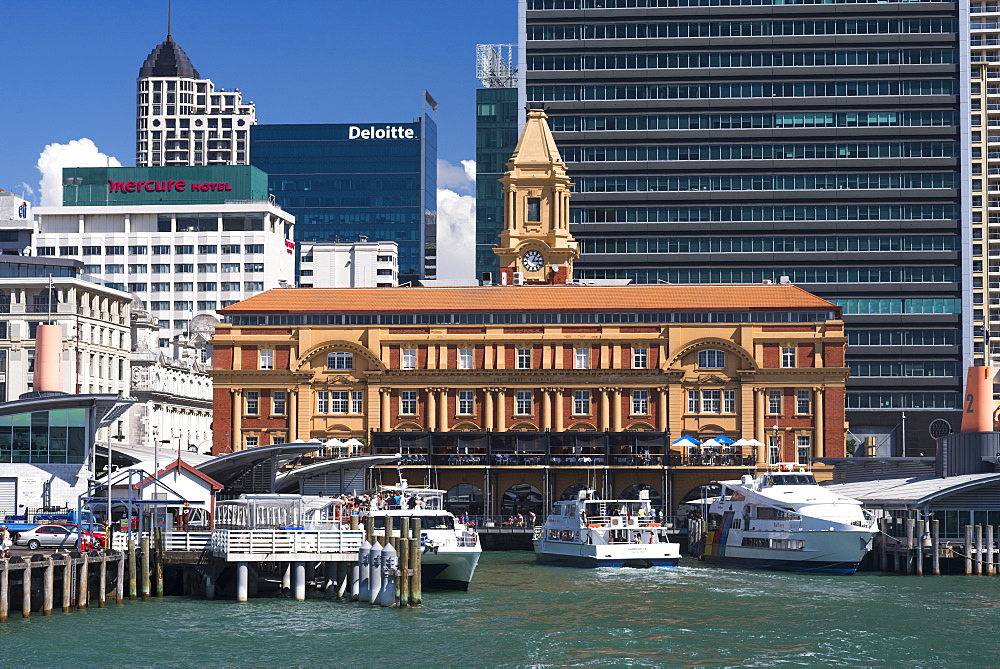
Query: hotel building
(747, 140)
(185, 240)
(543, 383)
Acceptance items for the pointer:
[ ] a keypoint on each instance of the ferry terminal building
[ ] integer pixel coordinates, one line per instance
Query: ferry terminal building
(511, 396)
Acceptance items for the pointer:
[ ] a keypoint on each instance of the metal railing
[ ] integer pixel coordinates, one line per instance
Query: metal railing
(227, 543)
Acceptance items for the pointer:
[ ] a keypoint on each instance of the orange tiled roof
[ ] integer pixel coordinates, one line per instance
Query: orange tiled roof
(518, 299)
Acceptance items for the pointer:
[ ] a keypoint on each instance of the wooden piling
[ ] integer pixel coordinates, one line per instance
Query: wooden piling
(133, 589)
(26, 590)
(67, 584)
(147, 586)
(48, 584)
(979, 550)
(120, 580)
(936, 540)
(416, 591)
(968, 550)
(895, 557)
(909, 546)
(355, 521)
(83, 594)
(370, 529)
(403, 582)
(102, 581)
(4, 589)
(990, 563)
(158, 555)
(883, 554)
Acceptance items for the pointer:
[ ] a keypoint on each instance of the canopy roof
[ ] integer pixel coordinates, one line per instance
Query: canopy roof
(910, 492)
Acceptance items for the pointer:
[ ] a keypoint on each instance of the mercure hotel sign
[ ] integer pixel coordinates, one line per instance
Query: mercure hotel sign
(161, 186)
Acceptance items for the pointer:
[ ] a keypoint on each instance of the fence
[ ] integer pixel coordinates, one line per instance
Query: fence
(228, 543)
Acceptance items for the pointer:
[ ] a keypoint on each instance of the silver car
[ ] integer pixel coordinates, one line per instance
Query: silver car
(48, 535)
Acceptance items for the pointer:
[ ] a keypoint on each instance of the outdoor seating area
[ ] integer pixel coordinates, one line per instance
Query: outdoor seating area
(720, 451)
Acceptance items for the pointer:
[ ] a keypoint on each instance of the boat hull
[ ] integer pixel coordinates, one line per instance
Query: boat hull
(832, 552)
(448, 569)
(591, 556)
(785, 565)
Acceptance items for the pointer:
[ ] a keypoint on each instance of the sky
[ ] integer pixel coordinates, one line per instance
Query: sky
(70, 70)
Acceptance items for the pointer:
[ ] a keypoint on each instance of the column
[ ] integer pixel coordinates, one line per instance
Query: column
(488, 412)
(443, 411)
(661, 410)
(385, 406)
(501, 410)
(293, 414)
(603, 417)
(759, 418)
(546, 423)
(236, 440)
(558, 405)
(616, 409)
(430, 411)
(819, 445)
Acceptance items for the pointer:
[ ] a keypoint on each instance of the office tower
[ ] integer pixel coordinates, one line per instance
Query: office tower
(182, 119)
(344, 181)
(497, 117)
(716, 141)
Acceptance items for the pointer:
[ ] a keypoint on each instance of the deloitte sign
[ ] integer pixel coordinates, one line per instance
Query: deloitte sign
(383, 132)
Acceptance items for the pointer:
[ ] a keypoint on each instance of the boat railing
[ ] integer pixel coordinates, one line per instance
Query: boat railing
(467, 540)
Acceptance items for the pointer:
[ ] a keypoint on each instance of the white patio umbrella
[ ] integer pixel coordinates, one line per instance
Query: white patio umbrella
(711, 443)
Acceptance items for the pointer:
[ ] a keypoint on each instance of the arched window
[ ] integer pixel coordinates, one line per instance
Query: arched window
(711, 358)
(521, 498)
(340, 360)
(573, 491)
(632, 492)
(464, 497)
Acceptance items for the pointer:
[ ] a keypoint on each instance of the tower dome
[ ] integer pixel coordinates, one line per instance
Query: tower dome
(168, 60)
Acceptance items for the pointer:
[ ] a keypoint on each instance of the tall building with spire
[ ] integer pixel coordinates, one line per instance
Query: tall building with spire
(182, 119)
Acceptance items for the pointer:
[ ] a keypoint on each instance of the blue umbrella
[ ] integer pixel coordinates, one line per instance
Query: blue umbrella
(723, 439)
(687, 439)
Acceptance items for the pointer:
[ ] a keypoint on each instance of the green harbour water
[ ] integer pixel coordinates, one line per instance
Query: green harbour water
(521, 613)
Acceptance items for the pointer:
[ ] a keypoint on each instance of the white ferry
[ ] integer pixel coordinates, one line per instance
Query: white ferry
(451, 549)
(783, 519)
(591, 532)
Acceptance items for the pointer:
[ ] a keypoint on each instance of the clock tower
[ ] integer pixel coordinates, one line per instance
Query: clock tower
(535, 245)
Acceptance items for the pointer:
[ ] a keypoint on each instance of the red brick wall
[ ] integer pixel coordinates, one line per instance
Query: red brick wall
(222, 357)
(222, 421)
(772, 355)
(806, 355)
(833, 418)
(282, 357)
(833, 355)
(248, 357)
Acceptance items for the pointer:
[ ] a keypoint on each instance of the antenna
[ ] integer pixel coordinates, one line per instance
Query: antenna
(169, 2)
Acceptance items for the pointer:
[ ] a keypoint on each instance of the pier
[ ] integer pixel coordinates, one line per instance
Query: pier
(922, 550)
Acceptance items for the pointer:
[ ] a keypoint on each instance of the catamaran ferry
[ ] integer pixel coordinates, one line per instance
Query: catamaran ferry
(591, 532)
(783, 519)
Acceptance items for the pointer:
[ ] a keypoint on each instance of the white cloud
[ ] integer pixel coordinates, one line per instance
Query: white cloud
(27, 191)
(77, 153)
(459, 179)
(456, 234)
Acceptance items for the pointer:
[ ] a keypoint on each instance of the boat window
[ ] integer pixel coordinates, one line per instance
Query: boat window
(794, 479)
(770, 513)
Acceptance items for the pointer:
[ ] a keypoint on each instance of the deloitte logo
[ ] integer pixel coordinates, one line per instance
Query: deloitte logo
(387, 132)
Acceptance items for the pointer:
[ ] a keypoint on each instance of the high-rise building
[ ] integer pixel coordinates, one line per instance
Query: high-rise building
(497, 116)
(819, 143)
(985, 114)
(345, 181)
(182, 119)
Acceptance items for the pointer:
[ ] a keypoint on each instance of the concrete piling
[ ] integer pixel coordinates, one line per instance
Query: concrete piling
(403, 583)
(883, 553)
(375, 574)
(120, 581)
(48, 585)
(26, 590)
(936, 538)
(83, 595)
(389, 565)
(4, 589)
(909, 546)
(364, 561)
(968, 550)
(158, 557)
(133, 590)
(147, 587)
(990, 560)
(979, 550)
(102, 581)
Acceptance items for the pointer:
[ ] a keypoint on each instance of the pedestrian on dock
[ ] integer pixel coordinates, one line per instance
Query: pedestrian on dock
(6, 541)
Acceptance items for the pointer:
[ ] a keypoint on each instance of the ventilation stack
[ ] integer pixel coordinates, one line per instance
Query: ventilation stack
(978, 405)
(48, 359)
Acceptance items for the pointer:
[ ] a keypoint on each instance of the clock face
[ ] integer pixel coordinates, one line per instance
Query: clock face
(532, 260)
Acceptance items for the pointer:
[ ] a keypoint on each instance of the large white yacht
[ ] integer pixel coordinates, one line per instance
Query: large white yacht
(591, 532)
(450, 549)
(783, 519)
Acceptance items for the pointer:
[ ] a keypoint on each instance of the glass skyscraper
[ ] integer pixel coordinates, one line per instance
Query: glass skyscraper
(718, 141)
(496, 136)
(345, 181)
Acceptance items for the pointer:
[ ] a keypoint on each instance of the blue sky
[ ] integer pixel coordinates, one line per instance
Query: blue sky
(70, 67)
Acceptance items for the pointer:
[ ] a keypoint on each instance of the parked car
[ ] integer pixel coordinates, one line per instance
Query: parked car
(65, 536)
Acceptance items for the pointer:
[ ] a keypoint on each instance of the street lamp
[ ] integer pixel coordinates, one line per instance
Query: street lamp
(776, 444)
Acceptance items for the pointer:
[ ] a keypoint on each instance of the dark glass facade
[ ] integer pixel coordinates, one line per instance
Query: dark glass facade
(496, 137)
(343, 181)
(750, 141)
